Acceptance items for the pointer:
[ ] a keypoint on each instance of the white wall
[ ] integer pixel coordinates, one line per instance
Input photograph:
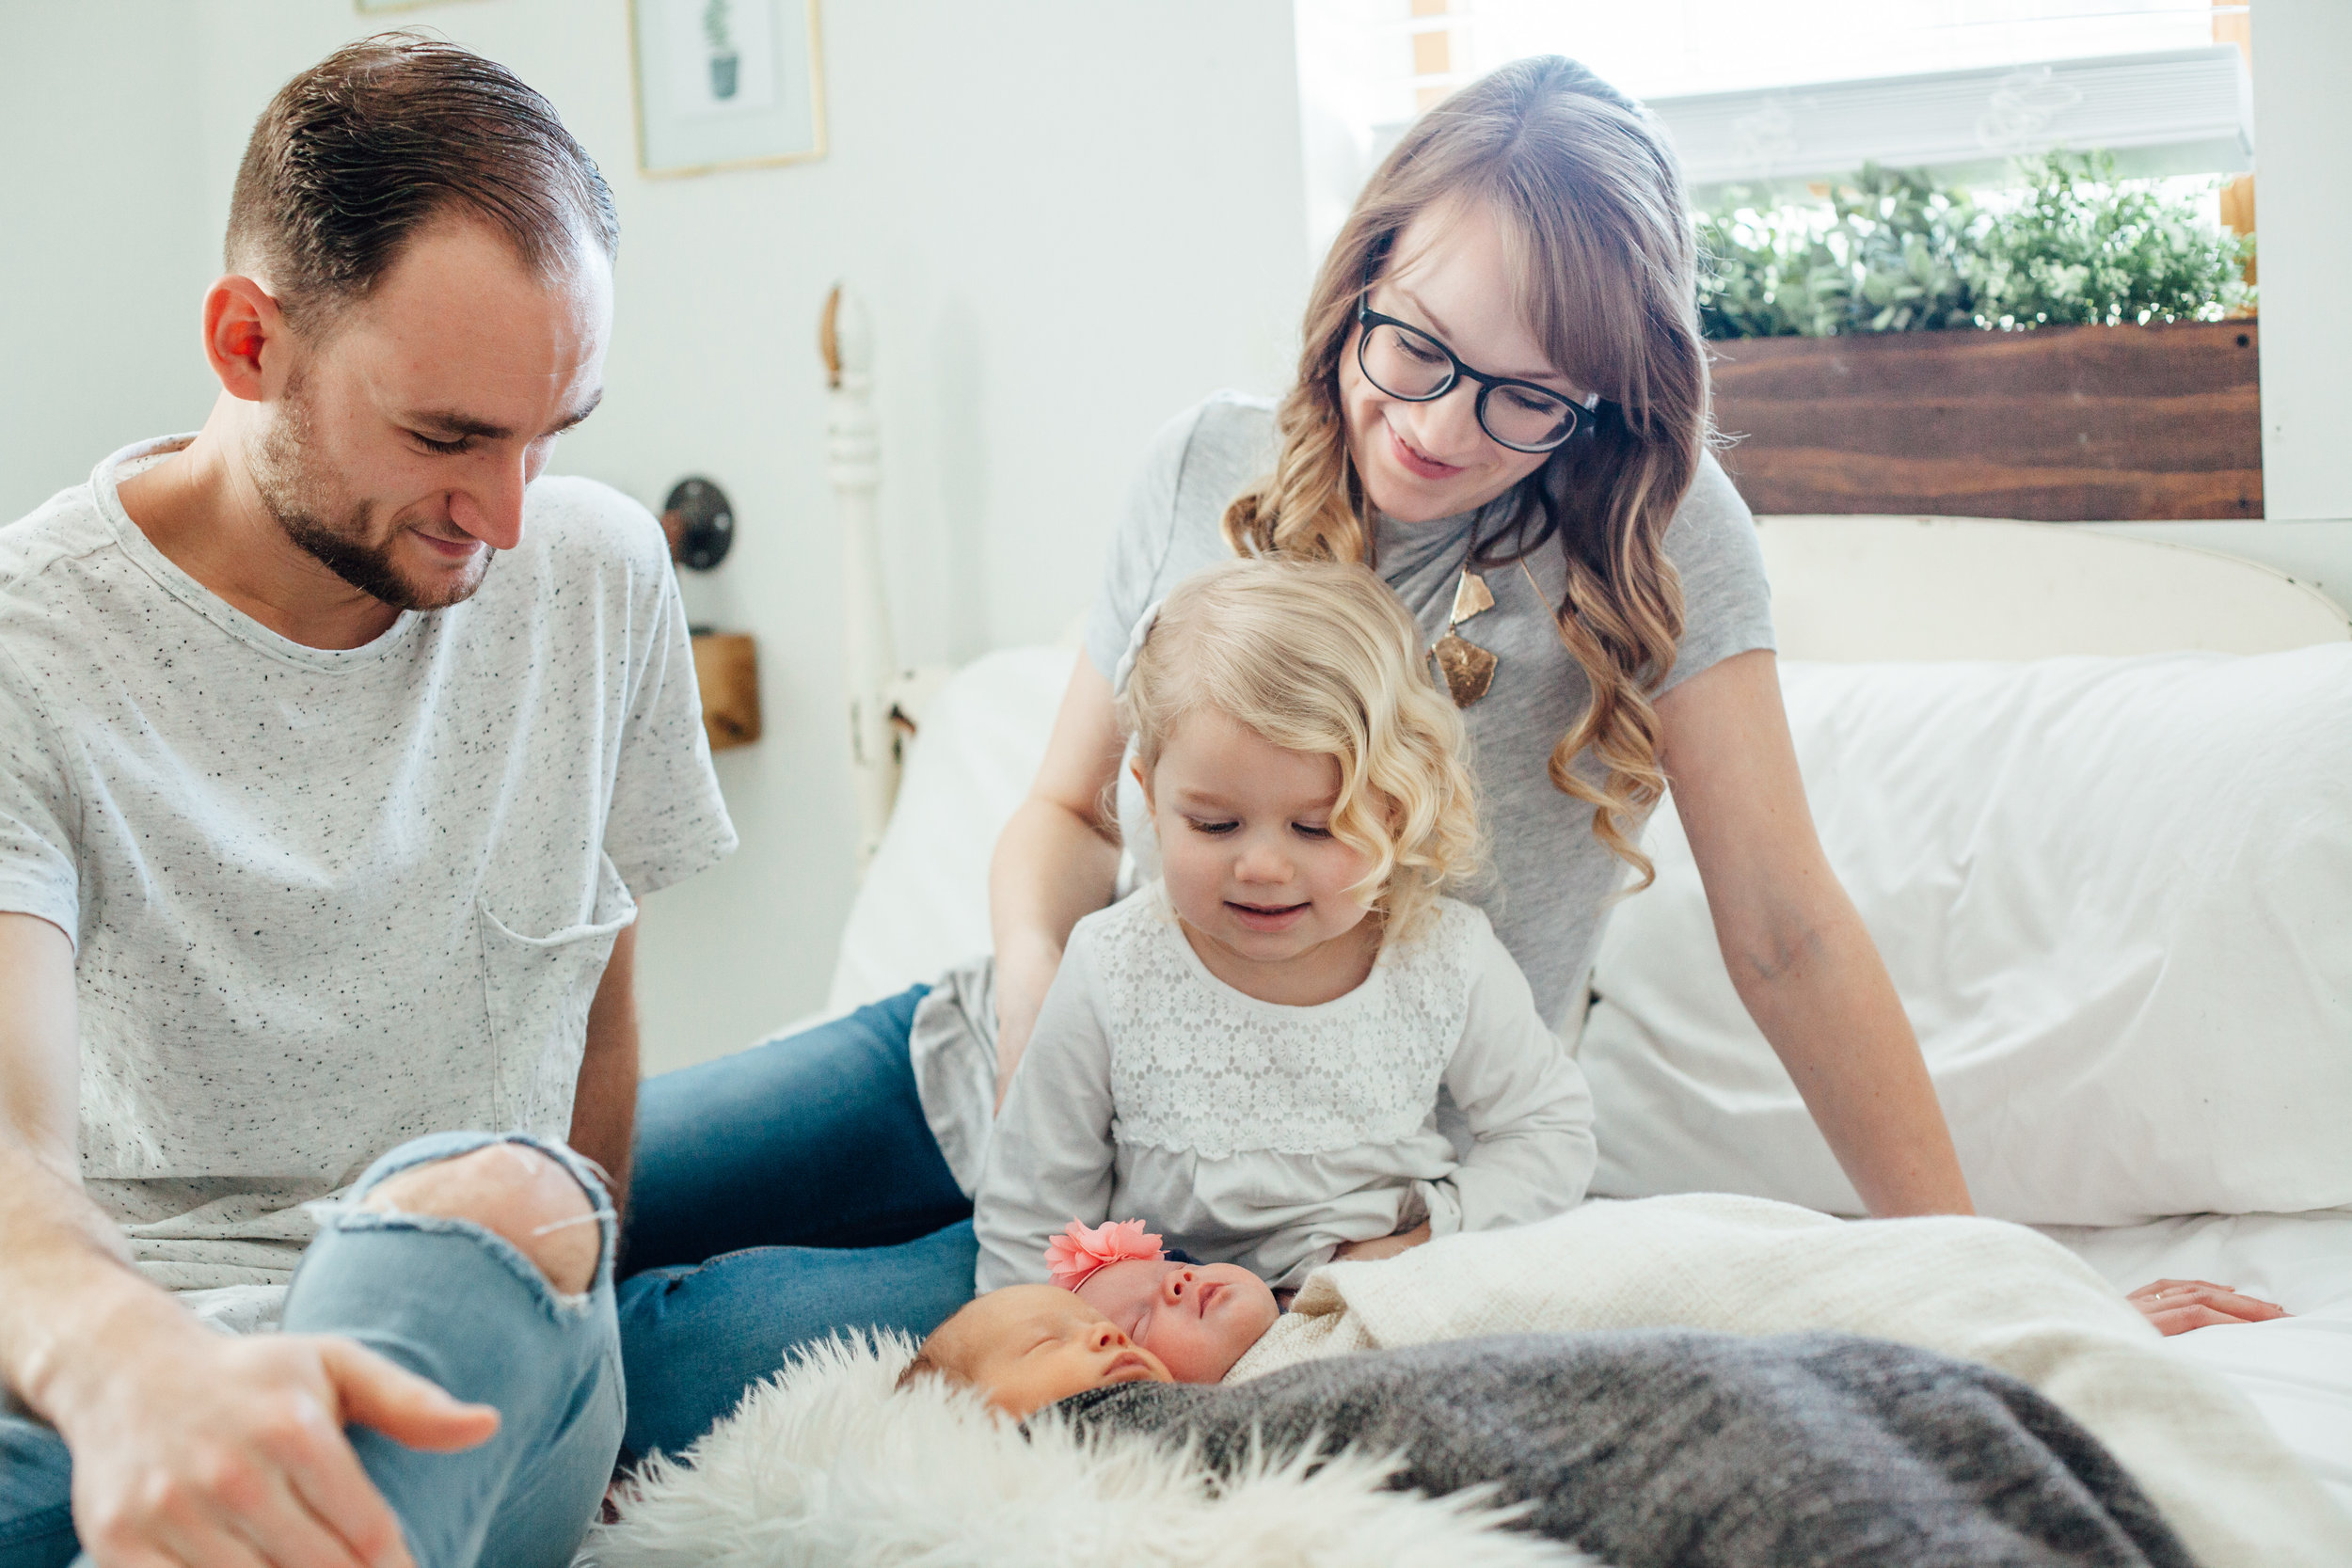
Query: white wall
(103, 255)
(2303, 220)
(1070, 219)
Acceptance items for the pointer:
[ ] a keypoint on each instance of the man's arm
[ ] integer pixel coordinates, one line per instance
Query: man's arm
(63, 1267)
(604, 1106)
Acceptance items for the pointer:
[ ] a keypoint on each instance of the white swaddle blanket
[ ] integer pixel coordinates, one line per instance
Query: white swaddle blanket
(1981, 1290)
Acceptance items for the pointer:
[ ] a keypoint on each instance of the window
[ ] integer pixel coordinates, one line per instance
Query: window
(1679, 48)
(1797, 90)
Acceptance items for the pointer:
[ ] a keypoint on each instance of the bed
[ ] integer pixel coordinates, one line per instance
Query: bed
(2092, 794)
(1891, 610)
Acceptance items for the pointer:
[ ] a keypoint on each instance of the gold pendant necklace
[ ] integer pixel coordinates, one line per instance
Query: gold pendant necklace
(1469, 669)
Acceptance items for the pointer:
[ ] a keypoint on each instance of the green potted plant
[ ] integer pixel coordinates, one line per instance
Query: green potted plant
(2069, 351)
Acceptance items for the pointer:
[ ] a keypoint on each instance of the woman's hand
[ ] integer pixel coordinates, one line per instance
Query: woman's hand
(2177, 1306)
(1382, 1246)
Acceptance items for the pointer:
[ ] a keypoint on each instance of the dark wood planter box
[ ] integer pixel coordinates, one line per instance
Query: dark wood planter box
(2063, 424)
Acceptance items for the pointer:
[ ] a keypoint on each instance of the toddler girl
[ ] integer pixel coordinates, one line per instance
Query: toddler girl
(1252, 1050)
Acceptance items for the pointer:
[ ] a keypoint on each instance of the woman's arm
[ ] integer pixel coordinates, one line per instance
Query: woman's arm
(1050, 1159)
(1057, 862)
(1809, 974)
(1796, 951)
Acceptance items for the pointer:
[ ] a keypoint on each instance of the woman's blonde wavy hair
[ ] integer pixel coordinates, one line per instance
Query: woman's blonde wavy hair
(1319, 656)
(1589, 198)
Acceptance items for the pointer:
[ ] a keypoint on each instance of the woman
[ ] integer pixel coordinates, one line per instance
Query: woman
(1532, 226)
(1501, 406)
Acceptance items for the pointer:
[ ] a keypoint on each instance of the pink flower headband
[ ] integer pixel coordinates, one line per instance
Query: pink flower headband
(1077, 1253)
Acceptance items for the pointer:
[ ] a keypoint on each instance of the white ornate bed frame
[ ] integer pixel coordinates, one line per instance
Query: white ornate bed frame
(885, 698)
(1845, 589)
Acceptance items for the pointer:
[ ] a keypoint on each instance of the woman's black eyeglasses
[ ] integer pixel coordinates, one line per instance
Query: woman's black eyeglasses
(1412, 367)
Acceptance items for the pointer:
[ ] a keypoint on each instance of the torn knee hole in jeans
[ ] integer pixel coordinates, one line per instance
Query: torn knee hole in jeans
(348, 1217)
(441, 1149)
(486, 1201)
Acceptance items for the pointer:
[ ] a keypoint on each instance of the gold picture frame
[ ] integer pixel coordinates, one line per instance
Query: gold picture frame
(720, 85)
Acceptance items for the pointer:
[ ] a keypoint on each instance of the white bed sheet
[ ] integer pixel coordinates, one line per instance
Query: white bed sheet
(2297, 1371)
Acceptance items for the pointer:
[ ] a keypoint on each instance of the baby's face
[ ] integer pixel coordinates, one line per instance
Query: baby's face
(1198, 1319)
(1030, 1345)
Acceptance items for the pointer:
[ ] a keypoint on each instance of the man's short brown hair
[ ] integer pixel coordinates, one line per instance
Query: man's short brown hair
(357, 153)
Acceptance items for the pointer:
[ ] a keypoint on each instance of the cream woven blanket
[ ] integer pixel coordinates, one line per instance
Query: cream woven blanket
(1981, 1290)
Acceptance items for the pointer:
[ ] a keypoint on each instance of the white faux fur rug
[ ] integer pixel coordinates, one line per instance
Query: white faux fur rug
(824, 1464)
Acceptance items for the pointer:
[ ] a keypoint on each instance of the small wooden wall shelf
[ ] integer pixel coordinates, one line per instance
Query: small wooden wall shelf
(727, 668)
(2060, 424)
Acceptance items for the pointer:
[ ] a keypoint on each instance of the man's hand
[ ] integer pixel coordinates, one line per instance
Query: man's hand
(212, 1451)
(2177, 1306)
(1382, 1246)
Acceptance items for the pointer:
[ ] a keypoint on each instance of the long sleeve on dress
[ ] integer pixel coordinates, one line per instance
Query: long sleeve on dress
(1266, 1136)
(1529, 1109)
(1050, 1159)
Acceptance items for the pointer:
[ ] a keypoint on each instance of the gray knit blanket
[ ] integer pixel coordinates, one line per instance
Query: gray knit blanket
(1670, 1446)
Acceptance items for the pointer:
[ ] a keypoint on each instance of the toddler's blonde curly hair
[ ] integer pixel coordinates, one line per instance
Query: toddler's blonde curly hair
(1320, 657)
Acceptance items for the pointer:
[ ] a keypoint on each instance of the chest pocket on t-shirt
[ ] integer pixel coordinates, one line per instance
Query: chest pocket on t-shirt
(538, 990)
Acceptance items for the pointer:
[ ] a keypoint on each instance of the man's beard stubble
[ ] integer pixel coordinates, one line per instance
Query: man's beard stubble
(298, 498)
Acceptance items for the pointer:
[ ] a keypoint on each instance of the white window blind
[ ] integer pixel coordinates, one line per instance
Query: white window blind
(1677, 48)
(1799, 89)
(2183, 111)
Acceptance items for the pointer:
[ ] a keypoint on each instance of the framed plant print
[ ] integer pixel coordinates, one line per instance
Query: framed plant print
(726, 83)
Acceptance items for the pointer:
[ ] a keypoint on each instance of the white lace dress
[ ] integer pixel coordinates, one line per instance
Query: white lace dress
(1251, 1133)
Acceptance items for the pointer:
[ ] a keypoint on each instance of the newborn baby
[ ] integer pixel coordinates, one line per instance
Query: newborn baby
(1119, 1310)
(1028, 1346)
(1196, 1318)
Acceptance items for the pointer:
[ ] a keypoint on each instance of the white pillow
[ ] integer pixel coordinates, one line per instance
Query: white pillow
(2116, 896)
(924, 904)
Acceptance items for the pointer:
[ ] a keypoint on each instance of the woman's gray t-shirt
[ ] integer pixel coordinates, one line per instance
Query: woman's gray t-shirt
(1550, 880)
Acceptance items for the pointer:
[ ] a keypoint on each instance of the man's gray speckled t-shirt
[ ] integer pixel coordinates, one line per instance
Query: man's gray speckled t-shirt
(325, 901)
(1550, 876)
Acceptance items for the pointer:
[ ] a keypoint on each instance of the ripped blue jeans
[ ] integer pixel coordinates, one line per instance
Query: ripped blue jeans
(450, 1301)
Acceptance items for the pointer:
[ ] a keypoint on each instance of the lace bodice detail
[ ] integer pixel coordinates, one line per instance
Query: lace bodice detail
(1197, 1066)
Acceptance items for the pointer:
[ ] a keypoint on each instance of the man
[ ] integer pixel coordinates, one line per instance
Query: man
(332, 747)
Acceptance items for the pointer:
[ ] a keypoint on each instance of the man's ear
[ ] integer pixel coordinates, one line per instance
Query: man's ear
(245, 337)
